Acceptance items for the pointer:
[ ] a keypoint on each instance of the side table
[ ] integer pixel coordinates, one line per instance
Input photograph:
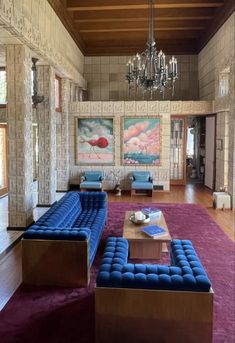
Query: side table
(221, 200)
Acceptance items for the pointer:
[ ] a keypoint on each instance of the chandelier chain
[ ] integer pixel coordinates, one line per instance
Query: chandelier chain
(149, 70)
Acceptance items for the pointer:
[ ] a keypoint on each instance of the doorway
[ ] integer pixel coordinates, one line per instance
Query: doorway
(200, 151)
(3, 159)
(195, 155)
(192, 156)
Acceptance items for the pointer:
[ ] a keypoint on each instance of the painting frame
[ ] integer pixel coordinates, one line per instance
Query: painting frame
(81, 155)
(125, 161)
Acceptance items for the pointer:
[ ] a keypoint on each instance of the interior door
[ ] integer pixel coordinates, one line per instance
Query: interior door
(210, 152)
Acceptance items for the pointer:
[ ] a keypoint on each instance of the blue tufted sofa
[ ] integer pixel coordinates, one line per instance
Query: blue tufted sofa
(61, 246)
(156, 303)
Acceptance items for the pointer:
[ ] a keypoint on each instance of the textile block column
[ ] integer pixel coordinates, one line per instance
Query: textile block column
(46, 136)
(63, 139)
(231, 157)
(20, 147)
(231, 151)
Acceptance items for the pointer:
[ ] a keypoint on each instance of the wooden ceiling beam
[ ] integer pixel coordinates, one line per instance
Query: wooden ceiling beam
(137, 29)
(113, 20)
(135, 25)
(160, 14)
(74, 5)
(135, 36)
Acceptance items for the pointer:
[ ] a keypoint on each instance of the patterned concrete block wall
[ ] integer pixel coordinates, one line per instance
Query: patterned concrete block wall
(3, 115)
(46, 136)
(35, 24)
(119, 109)
(218, 55)
(62, 139)
(20, 151)
(214, 58)
(106, 79)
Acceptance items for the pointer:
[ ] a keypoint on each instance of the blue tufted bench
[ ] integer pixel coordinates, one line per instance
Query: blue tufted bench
(61, 246)
(156, 303)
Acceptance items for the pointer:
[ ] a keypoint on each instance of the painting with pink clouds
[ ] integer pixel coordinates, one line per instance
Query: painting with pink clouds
(95, 141)
(141, 141)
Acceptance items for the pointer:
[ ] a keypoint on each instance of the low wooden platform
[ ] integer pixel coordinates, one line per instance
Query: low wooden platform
(57, 263)
(153, 316)
(10, 274)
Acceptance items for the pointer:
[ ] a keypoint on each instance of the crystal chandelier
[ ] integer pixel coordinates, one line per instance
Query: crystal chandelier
(149, 70)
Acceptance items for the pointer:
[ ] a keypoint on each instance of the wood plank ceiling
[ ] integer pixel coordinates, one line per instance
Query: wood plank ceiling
(120, 27)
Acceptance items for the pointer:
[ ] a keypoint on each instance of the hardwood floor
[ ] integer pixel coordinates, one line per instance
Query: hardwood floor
(10, 263)
(191, 194)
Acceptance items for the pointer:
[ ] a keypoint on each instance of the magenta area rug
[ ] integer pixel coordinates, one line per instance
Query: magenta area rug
(55, 315)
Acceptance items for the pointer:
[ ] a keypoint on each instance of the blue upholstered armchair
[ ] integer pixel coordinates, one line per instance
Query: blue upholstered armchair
(141, 180)
(92, 180)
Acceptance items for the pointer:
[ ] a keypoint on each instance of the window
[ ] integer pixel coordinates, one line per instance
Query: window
(3, 86)
(190, 142)
(57, 93)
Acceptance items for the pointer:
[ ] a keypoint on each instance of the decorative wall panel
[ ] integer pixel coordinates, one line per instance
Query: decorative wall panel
(46, 136)
(177, 149)
(62, 139)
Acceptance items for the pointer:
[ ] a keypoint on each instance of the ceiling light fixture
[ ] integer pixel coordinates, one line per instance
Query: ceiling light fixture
(36, 99)
(149, 70)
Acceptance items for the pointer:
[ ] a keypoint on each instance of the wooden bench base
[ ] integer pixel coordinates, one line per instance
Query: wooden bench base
(57, 263)
(151, 316)
(148, 192)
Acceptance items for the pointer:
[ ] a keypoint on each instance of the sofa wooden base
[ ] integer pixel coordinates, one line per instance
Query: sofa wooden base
(57, 263)
(150, 316)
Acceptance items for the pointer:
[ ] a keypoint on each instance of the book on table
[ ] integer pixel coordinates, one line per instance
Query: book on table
(151, 212)
(154, 230)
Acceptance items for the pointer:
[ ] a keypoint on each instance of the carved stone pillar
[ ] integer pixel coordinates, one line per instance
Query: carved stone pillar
(46, 136)
(63, 139)
(231, 157)
(20, 148)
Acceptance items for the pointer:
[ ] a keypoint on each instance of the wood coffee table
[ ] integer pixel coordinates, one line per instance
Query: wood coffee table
(140, 244)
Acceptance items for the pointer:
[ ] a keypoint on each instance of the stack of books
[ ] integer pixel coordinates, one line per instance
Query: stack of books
(152, 212)
(154, 230)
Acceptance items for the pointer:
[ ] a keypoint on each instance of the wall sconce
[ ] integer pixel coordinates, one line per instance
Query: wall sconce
(35, 97)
